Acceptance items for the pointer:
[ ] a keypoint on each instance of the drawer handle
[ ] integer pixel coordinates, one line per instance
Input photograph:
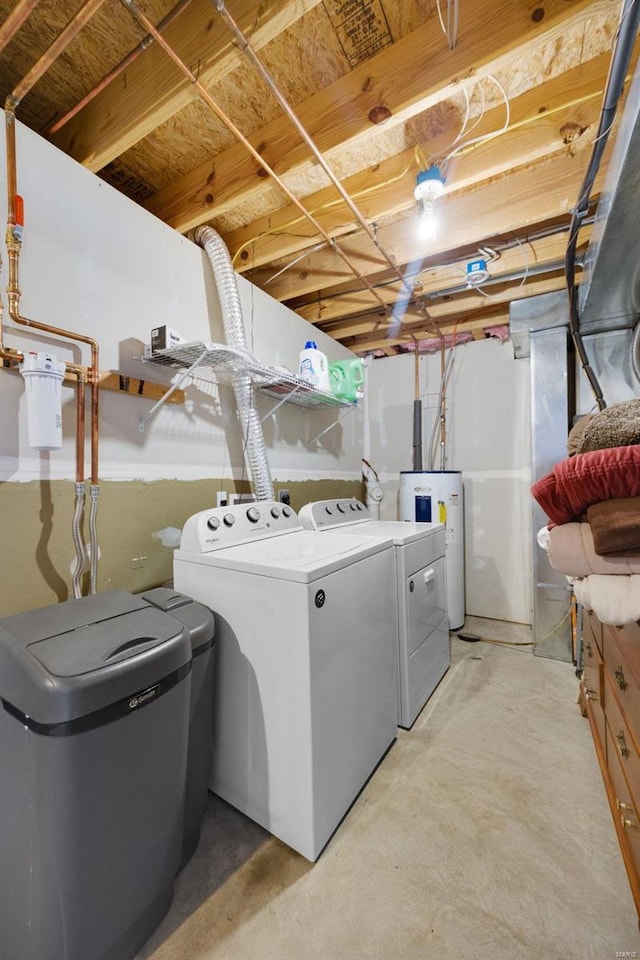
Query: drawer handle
(627, 823)
(589, 650)
(590, 694)
(622, 745)
(623, 806)
(622, 683)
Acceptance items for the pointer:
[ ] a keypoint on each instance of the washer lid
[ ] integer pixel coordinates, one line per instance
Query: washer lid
(400, 531)
(301, 556)
(63, 662)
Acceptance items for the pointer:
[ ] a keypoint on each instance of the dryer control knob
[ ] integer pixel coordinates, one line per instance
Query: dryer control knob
(353, 506)
(253, 514)
(228, 519)
(275, 512)
(213, 523)
(287, 511)
(329, 509)
(340, 507)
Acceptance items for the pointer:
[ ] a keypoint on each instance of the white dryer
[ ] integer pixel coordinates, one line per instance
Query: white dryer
(305, 691)
(420, 582)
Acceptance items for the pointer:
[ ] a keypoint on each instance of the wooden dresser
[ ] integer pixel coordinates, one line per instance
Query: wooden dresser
(610, 694)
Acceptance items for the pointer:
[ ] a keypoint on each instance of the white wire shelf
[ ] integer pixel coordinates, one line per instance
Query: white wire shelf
(219, 363)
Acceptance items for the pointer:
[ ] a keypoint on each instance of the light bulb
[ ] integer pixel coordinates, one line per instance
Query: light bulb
(429, 187)
(427, 222)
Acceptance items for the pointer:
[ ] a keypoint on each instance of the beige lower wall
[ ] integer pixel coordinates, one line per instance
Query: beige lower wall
(37, 548)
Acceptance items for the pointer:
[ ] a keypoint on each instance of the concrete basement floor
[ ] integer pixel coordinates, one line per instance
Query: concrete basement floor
(484, 833)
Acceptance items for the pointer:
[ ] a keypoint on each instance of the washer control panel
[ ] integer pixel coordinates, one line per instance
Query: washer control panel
(333, 513)
(224, 526)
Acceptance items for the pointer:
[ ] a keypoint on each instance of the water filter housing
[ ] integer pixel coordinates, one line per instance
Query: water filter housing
(43, 375)
(436, 496)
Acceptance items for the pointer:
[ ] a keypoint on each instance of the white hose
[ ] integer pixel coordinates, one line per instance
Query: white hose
(224, 274)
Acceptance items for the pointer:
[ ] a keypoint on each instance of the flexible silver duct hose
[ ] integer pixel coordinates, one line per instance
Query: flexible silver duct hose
(256, 451)
(94, 491)
(78, 542)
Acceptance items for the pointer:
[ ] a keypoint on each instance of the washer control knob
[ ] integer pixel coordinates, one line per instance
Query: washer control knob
(329, 510)
(213, 523)
(253, 514)
(287, 511)
(228, 519)
(275, 512)
(358, 505)
(353, 506)
(340, 507)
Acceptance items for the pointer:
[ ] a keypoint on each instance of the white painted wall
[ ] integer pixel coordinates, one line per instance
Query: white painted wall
(488, 438)
(95, 262)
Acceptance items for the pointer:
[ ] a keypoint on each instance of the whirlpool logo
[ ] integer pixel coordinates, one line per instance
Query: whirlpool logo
(141, 698)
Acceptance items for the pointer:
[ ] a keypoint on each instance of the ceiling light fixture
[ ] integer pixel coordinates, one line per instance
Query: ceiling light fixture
(429, 186)
(477, 272)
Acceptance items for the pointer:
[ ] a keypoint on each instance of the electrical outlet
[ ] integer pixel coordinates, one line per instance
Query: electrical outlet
(283, 497)
(221, 498)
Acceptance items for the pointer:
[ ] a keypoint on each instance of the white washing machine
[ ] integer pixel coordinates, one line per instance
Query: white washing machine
(305, 690)
(421, 594)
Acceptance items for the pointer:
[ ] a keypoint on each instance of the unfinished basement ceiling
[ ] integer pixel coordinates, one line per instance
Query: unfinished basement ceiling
(383, 91)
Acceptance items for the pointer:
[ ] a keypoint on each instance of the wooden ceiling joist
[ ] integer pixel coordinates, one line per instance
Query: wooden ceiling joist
(152, 89)
(443, 312)
(328, 312)
(410, 331)
(404, 79)
(510, 204)
(541, 122)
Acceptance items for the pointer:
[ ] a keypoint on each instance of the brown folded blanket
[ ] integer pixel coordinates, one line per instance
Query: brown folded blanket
(615, 426)
(615, 525)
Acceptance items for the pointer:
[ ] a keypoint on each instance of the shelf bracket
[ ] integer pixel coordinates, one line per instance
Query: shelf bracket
(285, 399)
(178, 383)
(326, 429)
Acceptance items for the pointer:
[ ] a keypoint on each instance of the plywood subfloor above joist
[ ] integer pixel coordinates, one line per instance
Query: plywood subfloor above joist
(508, 111)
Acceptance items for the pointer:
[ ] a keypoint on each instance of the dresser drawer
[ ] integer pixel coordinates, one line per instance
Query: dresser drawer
(623, 686)
(625, 817)
(592, 688)
(622, 743)
(627, 639)
(591, 630)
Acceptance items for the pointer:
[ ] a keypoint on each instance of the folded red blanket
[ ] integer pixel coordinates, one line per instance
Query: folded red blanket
(615, 525)
(578, 482)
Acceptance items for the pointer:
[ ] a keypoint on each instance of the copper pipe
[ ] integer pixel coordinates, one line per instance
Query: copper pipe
(119, 68)
(84, 375)
(58, 46)
(228, 122)
(14, 238)
(245, 46)
(80, 400)
(15, 20)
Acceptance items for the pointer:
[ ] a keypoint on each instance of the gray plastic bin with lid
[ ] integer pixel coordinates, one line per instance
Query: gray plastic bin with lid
(94, 724)
(198, 620)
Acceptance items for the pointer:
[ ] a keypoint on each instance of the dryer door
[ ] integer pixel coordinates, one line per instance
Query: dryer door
(426, 599)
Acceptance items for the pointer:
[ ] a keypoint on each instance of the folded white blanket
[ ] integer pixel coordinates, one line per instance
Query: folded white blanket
(613, 599)
(572, 552)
